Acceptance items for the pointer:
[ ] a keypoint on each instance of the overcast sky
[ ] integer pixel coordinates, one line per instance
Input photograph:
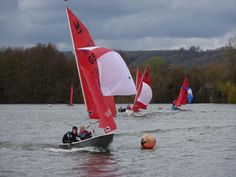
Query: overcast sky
(120, 24)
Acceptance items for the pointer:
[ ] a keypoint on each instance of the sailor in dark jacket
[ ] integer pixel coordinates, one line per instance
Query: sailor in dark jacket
(70, 137)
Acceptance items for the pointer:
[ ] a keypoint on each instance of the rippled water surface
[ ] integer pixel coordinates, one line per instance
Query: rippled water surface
(198, 142)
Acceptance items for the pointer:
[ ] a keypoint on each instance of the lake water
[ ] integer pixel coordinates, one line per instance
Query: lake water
(198, 142)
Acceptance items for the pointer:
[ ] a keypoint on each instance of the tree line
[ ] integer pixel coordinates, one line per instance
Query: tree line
(43, 74)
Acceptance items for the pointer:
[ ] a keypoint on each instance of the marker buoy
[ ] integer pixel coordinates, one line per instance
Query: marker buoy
(148, 141)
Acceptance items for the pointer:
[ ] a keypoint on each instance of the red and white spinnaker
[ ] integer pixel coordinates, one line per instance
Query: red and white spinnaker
(144, 95)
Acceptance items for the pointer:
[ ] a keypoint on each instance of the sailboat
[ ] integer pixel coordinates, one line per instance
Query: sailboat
(185, 96)
(138, 81)
(71, 102)
(103, 74)
(144, 94)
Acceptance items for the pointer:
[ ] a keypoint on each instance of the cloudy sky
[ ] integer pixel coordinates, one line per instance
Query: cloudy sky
(121, 24)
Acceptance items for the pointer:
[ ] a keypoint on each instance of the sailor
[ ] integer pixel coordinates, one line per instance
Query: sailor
(173, 103)
(174, 107)
(84, 134)
(121, 109)
(128, 107)
(135, 108)
(70, 137)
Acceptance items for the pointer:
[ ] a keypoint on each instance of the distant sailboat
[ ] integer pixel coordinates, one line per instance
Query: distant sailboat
(99, 82)
(71, 102)
(185, 96)
(138, 81)
(144, 94)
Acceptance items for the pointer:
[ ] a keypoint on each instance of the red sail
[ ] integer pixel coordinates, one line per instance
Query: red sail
(89, 58)
(103, 105)
(146, 78)
(71, 95)
(79, 33)
(138, 78)
(183, 94)
(91, 105)
(111, 103)
(105, 115)
(81, 38)
(91, 108)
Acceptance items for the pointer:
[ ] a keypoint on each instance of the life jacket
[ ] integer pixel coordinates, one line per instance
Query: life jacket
(84, 134)
(69, 137)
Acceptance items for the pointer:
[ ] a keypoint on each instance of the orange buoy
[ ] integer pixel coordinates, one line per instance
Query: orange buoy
(148, 141)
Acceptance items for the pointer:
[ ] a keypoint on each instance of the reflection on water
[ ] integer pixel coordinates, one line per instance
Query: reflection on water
(96, 164)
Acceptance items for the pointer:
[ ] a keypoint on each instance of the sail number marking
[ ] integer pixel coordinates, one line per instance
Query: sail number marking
(92, 58)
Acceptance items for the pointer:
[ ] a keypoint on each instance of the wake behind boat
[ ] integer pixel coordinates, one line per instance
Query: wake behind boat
(102, 141)
(140, 113)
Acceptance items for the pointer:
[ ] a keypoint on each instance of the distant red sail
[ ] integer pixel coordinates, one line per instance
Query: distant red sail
(183, 94)
(138, 78)
(71, 94)
(147, 76)
(144, 94)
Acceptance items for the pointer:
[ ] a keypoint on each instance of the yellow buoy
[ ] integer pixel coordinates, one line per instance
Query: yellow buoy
(148, 141)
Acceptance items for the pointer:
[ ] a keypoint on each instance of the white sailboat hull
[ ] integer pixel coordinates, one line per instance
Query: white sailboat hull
(135, 114)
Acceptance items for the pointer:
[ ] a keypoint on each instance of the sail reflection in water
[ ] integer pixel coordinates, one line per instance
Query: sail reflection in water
(97, 164)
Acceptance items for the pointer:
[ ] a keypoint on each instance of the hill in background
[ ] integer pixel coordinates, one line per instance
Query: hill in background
(194, 56)
(42, 74)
